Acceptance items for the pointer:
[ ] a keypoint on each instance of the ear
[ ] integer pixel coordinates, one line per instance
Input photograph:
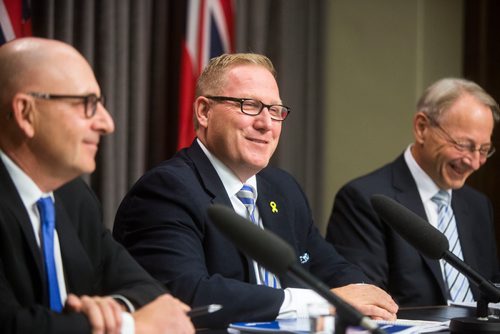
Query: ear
(421, 126)
(23, 113)
(201, 111)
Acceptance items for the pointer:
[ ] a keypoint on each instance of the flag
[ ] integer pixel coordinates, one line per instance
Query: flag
(209, 33)
(15, 19)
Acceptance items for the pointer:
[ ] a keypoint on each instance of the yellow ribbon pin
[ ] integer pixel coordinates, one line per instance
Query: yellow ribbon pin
(274, 208)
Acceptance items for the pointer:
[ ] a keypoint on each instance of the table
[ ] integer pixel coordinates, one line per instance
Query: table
(436, 313)
(433, 313)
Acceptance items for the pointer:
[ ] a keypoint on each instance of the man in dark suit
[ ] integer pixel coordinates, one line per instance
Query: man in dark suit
(51, 121)
(452, 129)
(163, 222)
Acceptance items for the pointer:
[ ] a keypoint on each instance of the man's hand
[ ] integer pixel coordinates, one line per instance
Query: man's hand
(369, 300)
(165, 314)
(104, 313)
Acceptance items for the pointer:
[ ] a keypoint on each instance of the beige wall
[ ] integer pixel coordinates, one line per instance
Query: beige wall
(381, 55)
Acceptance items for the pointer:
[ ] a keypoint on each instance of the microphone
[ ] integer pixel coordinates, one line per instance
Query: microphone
(277, 256)
(430, 242)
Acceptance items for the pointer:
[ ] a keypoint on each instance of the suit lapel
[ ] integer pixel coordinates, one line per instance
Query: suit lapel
(461, 211)
(465, 226)
(208, 175)
(272, 209)
(274, 212)
(213, 186)
(409, 197)
(11, 201)
(79, 272)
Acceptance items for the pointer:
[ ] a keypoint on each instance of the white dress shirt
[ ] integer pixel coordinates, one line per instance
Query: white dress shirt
(296, 300)
(30, 194)
(427, 189)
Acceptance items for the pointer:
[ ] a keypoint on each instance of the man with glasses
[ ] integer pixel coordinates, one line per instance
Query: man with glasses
(452, 127)
(238, 116)
(60, 269)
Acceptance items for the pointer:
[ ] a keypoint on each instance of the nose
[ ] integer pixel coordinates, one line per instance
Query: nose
(102, 121)
(263, 121)
(474, 160)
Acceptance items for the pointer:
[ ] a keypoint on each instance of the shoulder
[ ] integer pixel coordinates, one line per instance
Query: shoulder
(472, 198)
(179, 171)
(378, 180)
(470, 193)
(273, 173)
(173, 187)
(278, 179)
(78, 200)
(76, 193)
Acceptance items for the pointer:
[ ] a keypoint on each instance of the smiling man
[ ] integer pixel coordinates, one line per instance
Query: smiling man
(238, 116)
(60, 269)
(452, 127)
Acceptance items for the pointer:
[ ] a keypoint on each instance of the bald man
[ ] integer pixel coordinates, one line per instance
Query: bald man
(74, 277)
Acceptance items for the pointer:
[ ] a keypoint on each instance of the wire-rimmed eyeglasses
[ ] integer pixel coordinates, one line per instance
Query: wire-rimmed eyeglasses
(485, 150)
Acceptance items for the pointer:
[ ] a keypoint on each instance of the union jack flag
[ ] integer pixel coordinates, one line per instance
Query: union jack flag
(209, 33)
(15, 19)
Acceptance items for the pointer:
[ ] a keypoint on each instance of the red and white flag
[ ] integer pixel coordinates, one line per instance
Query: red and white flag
(15, 19)
(209, 33)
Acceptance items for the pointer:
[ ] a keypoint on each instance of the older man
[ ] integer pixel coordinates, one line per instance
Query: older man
(60, 269)
(163, 222)
(452, 127)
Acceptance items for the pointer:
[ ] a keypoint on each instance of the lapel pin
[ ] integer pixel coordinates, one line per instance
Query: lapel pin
(274, 207)
(304, 258)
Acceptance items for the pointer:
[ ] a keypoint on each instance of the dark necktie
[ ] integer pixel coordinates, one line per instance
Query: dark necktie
(247, 196)
(458, 284)
(47, 217)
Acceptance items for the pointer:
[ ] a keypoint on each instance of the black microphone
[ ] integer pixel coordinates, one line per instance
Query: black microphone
(429, 241)
(277, 256)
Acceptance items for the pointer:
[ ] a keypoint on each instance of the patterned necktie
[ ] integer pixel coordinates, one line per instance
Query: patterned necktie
(247, 196)
(458, 284)
(47, 217)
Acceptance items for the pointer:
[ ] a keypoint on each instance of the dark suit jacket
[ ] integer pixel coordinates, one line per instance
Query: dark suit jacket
(387, 259)
(163, 223)
(94, 264)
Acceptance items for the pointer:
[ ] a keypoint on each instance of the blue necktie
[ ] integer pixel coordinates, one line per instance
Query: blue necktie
(47, 217)
(458, 284)
(247, 196)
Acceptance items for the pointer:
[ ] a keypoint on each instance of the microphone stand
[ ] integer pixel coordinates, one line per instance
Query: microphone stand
(482, 323)
(346, 314)
(432, 243)
(487, 288)
(256, 242)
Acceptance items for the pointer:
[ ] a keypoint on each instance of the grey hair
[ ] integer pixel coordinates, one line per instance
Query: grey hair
(438, 97)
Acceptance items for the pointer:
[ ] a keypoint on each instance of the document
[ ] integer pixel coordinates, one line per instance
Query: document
(302, 326)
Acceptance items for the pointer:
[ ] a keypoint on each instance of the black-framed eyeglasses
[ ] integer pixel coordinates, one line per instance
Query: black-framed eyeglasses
(485, 150)
(254, 107)
(89, 101)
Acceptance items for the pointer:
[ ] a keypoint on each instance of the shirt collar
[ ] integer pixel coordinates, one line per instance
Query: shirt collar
(26, 187)
(230, 181)
(426, 186)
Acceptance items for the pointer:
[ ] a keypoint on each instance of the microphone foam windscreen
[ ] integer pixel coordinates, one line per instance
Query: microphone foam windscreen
(269, 250)
(419, 233)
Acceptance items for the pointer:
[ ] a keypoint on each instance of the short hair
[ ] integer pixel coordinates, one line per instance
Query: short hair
(439, 96)
(211, 80)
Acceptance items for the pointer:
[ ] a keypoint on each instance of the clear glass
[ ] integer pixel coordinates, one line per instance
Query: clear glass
(321, 318)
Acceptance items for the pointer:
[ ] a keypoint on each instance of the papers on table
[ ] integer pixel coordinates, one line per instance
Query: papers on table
(301, 326)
